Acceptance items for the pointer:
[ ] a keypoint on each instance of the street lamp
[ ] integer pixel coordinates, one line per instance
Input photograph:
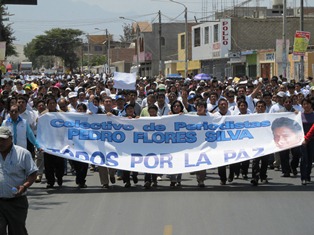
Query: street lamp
(108, 46)
(186, 35)
(137, 41)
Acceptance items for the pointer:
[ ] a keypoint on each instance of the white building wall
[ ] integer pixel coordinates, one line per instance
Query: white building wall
(213, 49)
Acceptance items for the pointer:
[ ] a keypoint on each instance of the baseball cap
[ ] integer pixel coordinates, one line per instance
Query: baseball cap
(161, 87)
(231, 89)
(150, 92)
(120, 97)
(72, 94)
(191, 97)
(5, 132)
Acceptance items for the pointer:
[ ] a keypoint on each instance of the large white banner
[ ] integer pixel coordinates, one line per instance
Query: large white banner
(170, 144)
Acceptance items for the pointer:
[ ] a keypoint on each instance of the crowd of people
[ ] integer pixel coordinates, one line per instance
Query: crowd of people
(24, 98)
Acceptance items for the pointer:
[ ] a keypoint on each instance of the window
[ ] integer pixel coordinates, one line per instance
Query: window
(197, 37)
(206, 35)
(216, 29)
(182, 39)
(85, 48)
(98, 48)
(162, 41)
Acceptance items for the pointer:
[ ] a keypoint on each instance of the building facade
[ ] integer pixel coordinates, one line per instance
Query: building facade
(245, 46)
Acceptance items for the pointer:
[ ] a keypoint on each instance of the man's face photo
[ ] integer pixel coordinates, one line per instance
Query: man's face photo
(284, 137)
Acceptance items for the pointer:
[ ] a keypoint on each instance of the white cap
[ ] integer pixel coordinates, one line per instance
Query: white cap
(72, 94)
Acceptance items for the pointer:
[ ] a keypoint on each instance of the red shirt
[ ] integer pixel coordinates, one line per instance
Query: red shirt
(309, 134)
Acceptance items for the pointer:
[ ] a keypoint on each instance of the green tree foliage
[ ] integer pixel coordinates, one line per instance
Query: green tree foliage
(94, 60)
(128, 34)
(63, 43)
(6, 33)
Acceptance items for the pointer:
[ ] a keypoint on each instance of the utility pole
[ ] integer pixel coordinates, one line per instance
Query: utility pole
(1, 38)
(284, 36)
(88, 53)
(186, 69)
(186, 66)
(137, 43)
(301, 29)
(108, 50)
(108, 40)
(159, 31)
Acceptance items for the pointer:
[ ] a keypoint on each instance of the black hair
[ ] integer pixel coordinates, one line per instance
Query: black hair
(175, 102)
(152, 106)
(241, 97)
(201, 102)
(261, 102)
(222, 100)
(267, 93)
(286, 122)
(242, 102)
(132, 92)
(22, 97)
(308, 100)
(82, 105)
(39, 101)
(50, 97)
(160, 94)
(214, 93)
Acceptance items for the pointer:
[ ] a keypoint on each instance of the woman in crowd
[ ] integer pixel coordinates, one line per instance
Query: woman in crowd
(129, 113)
(308, 144)
(176, 108)
(151, 179)
(54, 166)
(81, 167)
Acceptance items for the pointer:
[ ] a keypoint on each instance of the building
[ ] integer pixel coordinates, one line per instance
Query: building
(120, 54)
(158, 48)
(238, 46)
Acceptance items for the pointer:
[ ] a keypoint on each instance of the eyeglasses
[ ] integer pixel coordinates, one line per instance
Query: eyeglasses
(14, 111)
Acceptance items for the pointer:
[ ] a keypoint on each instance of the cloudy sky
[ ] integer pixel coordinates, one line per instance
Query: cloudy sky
(86, 15)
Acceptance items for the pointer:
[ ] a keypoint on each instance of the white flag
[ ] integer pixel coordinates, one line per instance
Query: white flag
(125, 81)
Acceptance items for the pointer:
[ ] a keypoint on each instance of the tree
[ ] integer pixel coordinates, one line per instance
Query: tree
(63, 43)
(94, 60)
(128, 34)
(6, 34)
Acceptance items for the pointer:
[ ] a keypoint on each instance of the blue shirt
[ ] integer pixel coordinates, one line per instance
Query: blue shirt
(15, 169)
(29, 133)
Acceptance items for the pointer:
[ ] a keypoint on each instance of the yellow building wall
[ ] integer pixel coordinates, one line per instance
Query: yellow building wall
(308, 65)
(192, 65)
(310, 72)
(170, 68)
(181, 52)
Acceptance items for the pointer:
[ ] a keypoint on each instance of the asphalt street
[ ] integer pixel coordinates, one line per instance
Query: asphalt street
(283, 206)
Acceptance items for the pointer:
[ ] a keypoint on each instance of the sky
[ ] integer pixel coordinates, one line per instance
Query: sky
(29, 21)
